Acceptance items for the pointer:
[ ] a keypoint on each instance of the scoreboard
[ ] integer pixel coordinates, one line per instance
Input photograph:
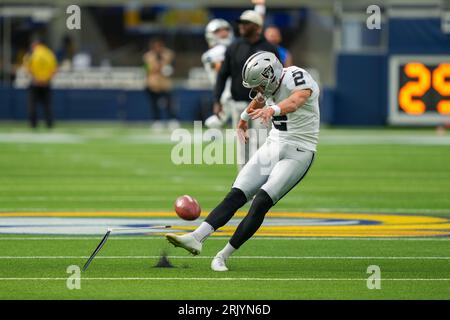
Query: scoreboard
(419, 89)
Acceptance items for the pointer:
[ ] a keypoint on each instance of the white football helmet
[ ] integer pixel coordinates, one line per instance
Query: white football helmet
(262, 69)
(212, 27)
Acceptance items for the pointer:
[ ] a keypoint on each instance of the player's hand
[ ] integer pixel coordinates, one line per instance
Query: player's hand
(255, 104)
(258, 1)
(242, 131)
(217, 108)
(265, 115)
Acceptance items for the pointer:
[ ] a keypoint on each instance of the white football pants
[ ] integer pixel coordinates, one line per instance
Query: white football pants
(276, 168)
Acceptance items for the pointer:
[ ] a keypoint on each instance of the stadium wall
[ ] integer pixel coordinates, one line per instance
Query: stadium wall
(360, 95)
(98, 104)
(121, 105)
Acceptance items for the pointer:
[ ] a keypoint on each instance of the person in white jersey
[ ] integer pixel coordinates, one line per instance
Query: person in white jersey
(219, 35)
(289, 98)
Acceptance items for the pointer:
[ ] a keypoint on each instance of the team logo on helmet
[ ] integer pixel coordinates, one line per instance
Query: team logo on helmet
(268, 72)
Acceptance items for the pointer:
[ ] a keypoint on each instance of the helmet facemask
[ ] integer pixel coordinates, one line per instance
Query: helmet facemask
(255, 94)
(226, 41)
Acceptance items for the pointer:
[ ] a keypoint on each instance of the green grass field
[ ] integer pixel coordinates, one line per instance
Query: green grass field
(110, 168)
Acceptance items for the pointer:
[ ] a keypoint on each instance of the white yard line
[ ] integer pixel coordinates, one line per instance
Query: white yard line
(235, 257)
(220, 279)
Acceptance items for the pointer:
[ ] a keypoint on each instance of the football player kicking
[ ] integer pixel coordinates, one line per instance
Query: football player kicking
(289, 97)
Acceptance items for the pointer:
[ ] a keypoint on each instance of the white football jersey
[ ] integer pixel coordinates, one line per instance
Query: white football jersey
(216, 55)
(300, 127)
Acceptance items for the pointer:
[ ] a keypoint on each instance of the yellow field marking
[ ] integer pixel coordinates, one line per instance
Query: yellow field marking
(339, 231)
(310, 215)
(386, 225)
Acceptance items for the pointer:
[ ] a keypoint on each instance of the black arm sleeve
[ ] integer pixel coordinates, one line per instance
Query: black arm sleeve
(222, 76)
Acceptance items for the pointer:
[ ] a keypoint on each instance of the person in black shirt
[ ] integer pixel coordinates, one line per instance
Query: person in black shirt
(250, 41)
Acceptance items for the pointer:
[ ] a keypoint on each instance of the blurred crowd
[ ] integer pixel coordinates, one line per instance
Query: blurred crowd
(42, 62)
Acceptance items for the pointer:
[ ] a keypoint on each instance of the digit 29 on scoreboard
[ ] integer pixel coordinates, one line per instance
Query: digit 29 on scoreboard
(419, 89)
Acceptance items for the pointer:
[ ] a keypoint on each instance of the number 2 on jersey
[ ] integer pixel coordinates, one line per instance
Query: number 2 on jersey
(298, 77)
(279, 122)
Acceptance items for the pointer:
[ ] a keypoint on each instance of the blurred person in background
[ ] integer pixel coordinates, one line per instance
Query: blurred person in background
(250, 41)
(1, 67)
(219, 35)
(158, 62)
(66, 52)
(41, 65)
(82, 60)
(273, 35)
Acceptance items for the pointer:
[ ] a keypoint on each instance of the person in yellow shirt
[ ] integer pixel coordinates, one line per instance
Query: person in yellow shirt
(158, 63)
(41, 65)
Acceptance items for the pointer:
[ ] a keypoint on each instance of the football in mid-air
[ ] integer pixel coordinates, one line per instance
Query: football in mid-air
(187, 208)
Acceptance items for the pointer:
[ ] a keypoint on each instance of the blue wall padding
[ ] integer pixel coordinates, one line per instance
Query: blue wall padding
(99, 104)
(417, 36)
(361, 93)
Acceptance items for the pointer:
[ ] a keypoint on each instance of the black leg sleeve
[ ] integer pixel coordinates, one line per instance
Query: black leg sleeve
(234, 200)
(154, 107)
(32, 112)
(47, 101)
(170, 106)
(253, 220)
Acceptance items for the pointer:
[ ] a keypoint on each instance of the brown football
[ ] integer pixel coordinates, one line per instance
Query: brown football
(187, 207)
